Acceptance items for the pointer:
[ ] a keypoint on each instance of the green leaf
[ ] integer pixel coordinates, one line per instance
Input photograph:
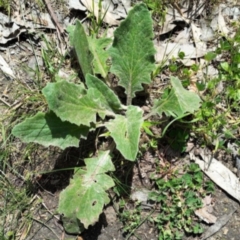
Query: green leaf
(86, 195)
(70, 30)
(197, 229)
(225, 66)
(72, 225)
(132, 51)
(107, 97)
(210, 56)
(47, 129)
(80, 43)
(178, 102)
(126, 131)
(97, 47)
(72, 103)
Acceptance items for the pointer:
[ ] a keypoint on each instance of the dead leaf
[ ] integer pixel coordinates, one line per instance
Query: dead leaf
(233, 12)
(205, 215)
(11, 28)
(92, 6)
(220, 174)
(6, 68)
(167, 51)
(207, 200)
(76, 4)
(108, 10)
(222, 27)
(168, 25)
(218, 225)
(207, 32)
(205, 212)
(183, 36)
(197, 32)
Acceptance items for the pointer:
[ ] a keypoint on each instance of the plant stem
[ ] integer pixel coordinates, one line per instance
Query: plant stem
(175, 119)
(129, 95)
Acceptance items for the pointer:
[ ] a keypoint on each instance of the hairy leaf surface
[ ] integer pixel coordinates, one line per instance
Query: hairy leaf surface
(97, 47)
(179, 101)
(132, 51)
(126, 131)
(70, 30)
(80, 43)
(48, 130)
(107, 98)
(86, 195)
(71, 102)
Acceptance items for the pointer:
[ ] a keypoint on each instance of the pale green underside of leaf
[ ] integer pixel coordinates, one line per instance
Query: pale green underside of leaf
(179, 101)
(126, 131)
(107, 98)
(70, 30)
(72, 103)
(80, 43)
(132, 51)
(97, 47)
(48, 130)
(86, 195)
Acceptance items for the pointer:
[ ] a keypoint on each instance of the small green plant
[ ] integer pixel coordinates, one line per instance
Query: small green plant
(97, 21)
(178, 197)
(14, 203)
(130, 218)
(158, 9)
(52, 59)
(217, 119)
(6, 5)
(77, 109)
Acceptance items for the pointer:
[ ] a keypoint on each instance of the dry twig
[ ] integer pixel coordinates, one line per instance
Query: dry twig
(54, 18)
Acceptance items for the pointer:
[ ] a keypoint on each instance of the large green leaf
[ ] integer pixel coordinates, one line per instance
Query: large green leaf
(132, 51)
(126, 131)
(72, 103)
(106, 97)
(80, 43)
(86, 195)
(97, 47)
(97, 60)
(47, 129)
(178, 102)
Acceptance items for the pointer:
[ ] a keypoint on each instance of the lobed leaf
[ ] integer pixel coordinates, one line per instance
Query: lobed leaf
(132, 51)
(86, 195)
(48, 130)
(71, 102)
(126, 131)
(179, 101)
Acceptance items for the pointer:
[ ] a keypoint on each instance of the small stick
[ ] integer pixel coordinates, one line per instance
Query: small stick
(6, 103)
(53, 16)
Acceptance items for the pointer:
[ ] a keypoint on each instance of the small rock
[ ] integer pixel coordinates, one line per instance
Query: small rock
(140, 195)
